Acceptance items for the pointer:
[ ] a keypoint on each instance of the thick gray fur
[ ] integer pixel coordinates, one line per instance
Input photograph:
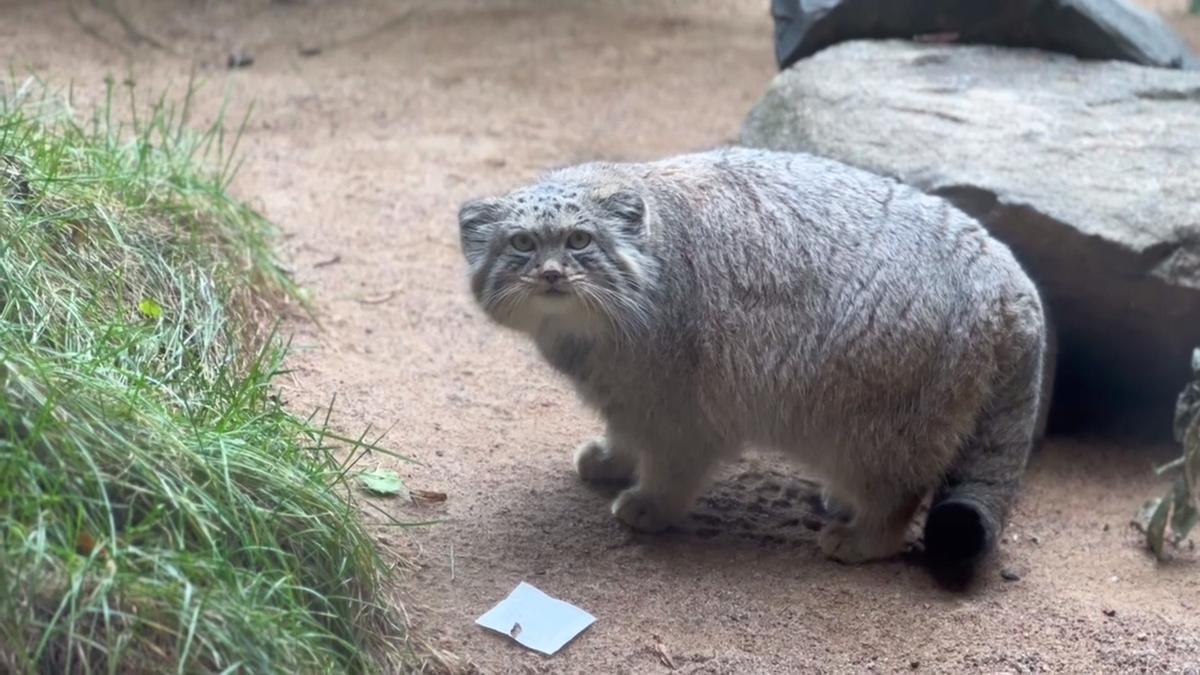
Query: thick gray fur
(739, 297)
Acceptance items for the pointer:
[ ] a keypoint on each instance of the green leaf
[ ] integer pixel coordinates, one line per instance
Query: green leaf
(1182, 523)
(383, 482)
(1180, 508)
(1187, 410)
(150, 309)
(1191, 463)
(1156, 530)
(1187, 406)
(1172, 465)
(1184, 516)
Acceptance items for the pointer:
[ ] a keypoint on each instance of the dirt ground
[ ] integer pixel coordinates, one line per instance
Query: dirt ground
(373, 120)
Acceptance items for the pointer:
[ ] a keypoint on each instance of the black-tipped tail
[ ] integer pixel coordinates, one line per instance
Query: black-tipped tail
(972, 505)
(958, 536)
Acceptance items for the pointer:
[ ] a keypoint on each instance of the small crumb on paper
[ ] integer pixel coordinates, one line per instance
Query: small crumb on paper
(536, 620)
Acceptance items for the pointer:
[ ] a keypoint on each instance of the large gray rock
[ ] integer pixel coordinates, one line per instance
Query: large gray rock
(1089, 171)
(1092, 29)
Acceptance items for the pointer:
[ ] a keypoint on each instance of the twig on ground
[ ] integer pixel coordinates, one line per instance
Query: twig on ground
(376, 299)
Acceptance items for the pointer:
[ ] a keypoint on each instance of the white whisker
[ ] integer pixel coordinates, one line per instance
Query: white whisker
(627, 315)
(501, 301)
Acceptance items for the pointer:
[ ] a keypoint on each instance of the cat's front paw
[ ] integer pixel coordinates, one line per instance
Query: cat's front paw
(854, 545)
(597, 463)
(834, 509)
(644, 512)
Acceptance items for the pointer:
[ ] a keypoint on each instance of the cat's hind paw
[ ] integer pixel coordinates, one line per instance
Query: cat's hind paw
(854, 545)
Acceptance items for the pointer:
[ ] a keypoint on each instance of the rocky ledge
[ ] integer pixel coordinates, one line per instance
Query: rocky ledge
(1089, 170)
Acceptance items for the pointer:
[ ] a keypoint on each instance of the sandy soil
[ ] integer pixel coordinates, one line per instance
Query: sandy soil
(362, 152)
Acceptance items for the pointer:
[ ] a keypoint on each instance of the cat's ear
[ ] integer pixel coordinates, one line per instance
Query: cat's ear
(626, 207)
(482, 213)
(477, 219)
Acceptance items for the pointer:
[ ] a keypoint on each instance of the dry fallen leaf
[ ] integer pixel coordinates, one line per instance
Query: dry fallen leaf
(428, 496)
(377, 299)
(85, 544)
(660, 650)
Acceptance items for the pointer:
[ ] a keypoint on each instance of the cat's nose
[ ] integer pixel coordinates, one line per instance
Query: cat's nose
(551, 276)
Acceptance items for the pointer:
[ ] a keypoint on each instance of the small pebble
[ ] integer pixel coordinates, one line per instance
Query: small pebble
(1109, 611)
(1142, 637)
(914, 664)
(1106, 527)
(1035, 539)
(1009, 575)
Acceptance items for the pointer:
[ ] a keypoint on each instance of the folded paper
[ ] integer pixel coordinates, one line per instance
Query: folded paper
(536, 620)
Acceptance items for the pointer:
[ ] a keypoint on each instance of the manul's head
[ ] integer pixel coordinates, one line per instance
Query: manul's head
(560, 253)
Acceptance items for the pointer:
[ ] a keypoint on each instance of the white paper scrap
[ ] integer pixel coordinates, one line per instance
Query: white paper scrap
(536, 620)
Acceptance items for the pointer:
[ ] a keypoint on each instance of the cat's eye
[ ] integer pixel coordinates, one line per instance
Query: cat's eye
(578, 239)
(522, 242)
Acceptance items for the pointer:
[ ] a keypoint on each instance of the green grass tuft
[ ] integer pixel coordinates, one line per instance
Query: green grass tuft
(159, 510)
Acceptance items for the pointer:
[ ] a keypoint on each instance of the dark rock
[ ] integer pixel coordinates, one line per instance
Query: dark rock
(239, 59)
(1009, 575)
(1089, 171)
(1091, 29)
